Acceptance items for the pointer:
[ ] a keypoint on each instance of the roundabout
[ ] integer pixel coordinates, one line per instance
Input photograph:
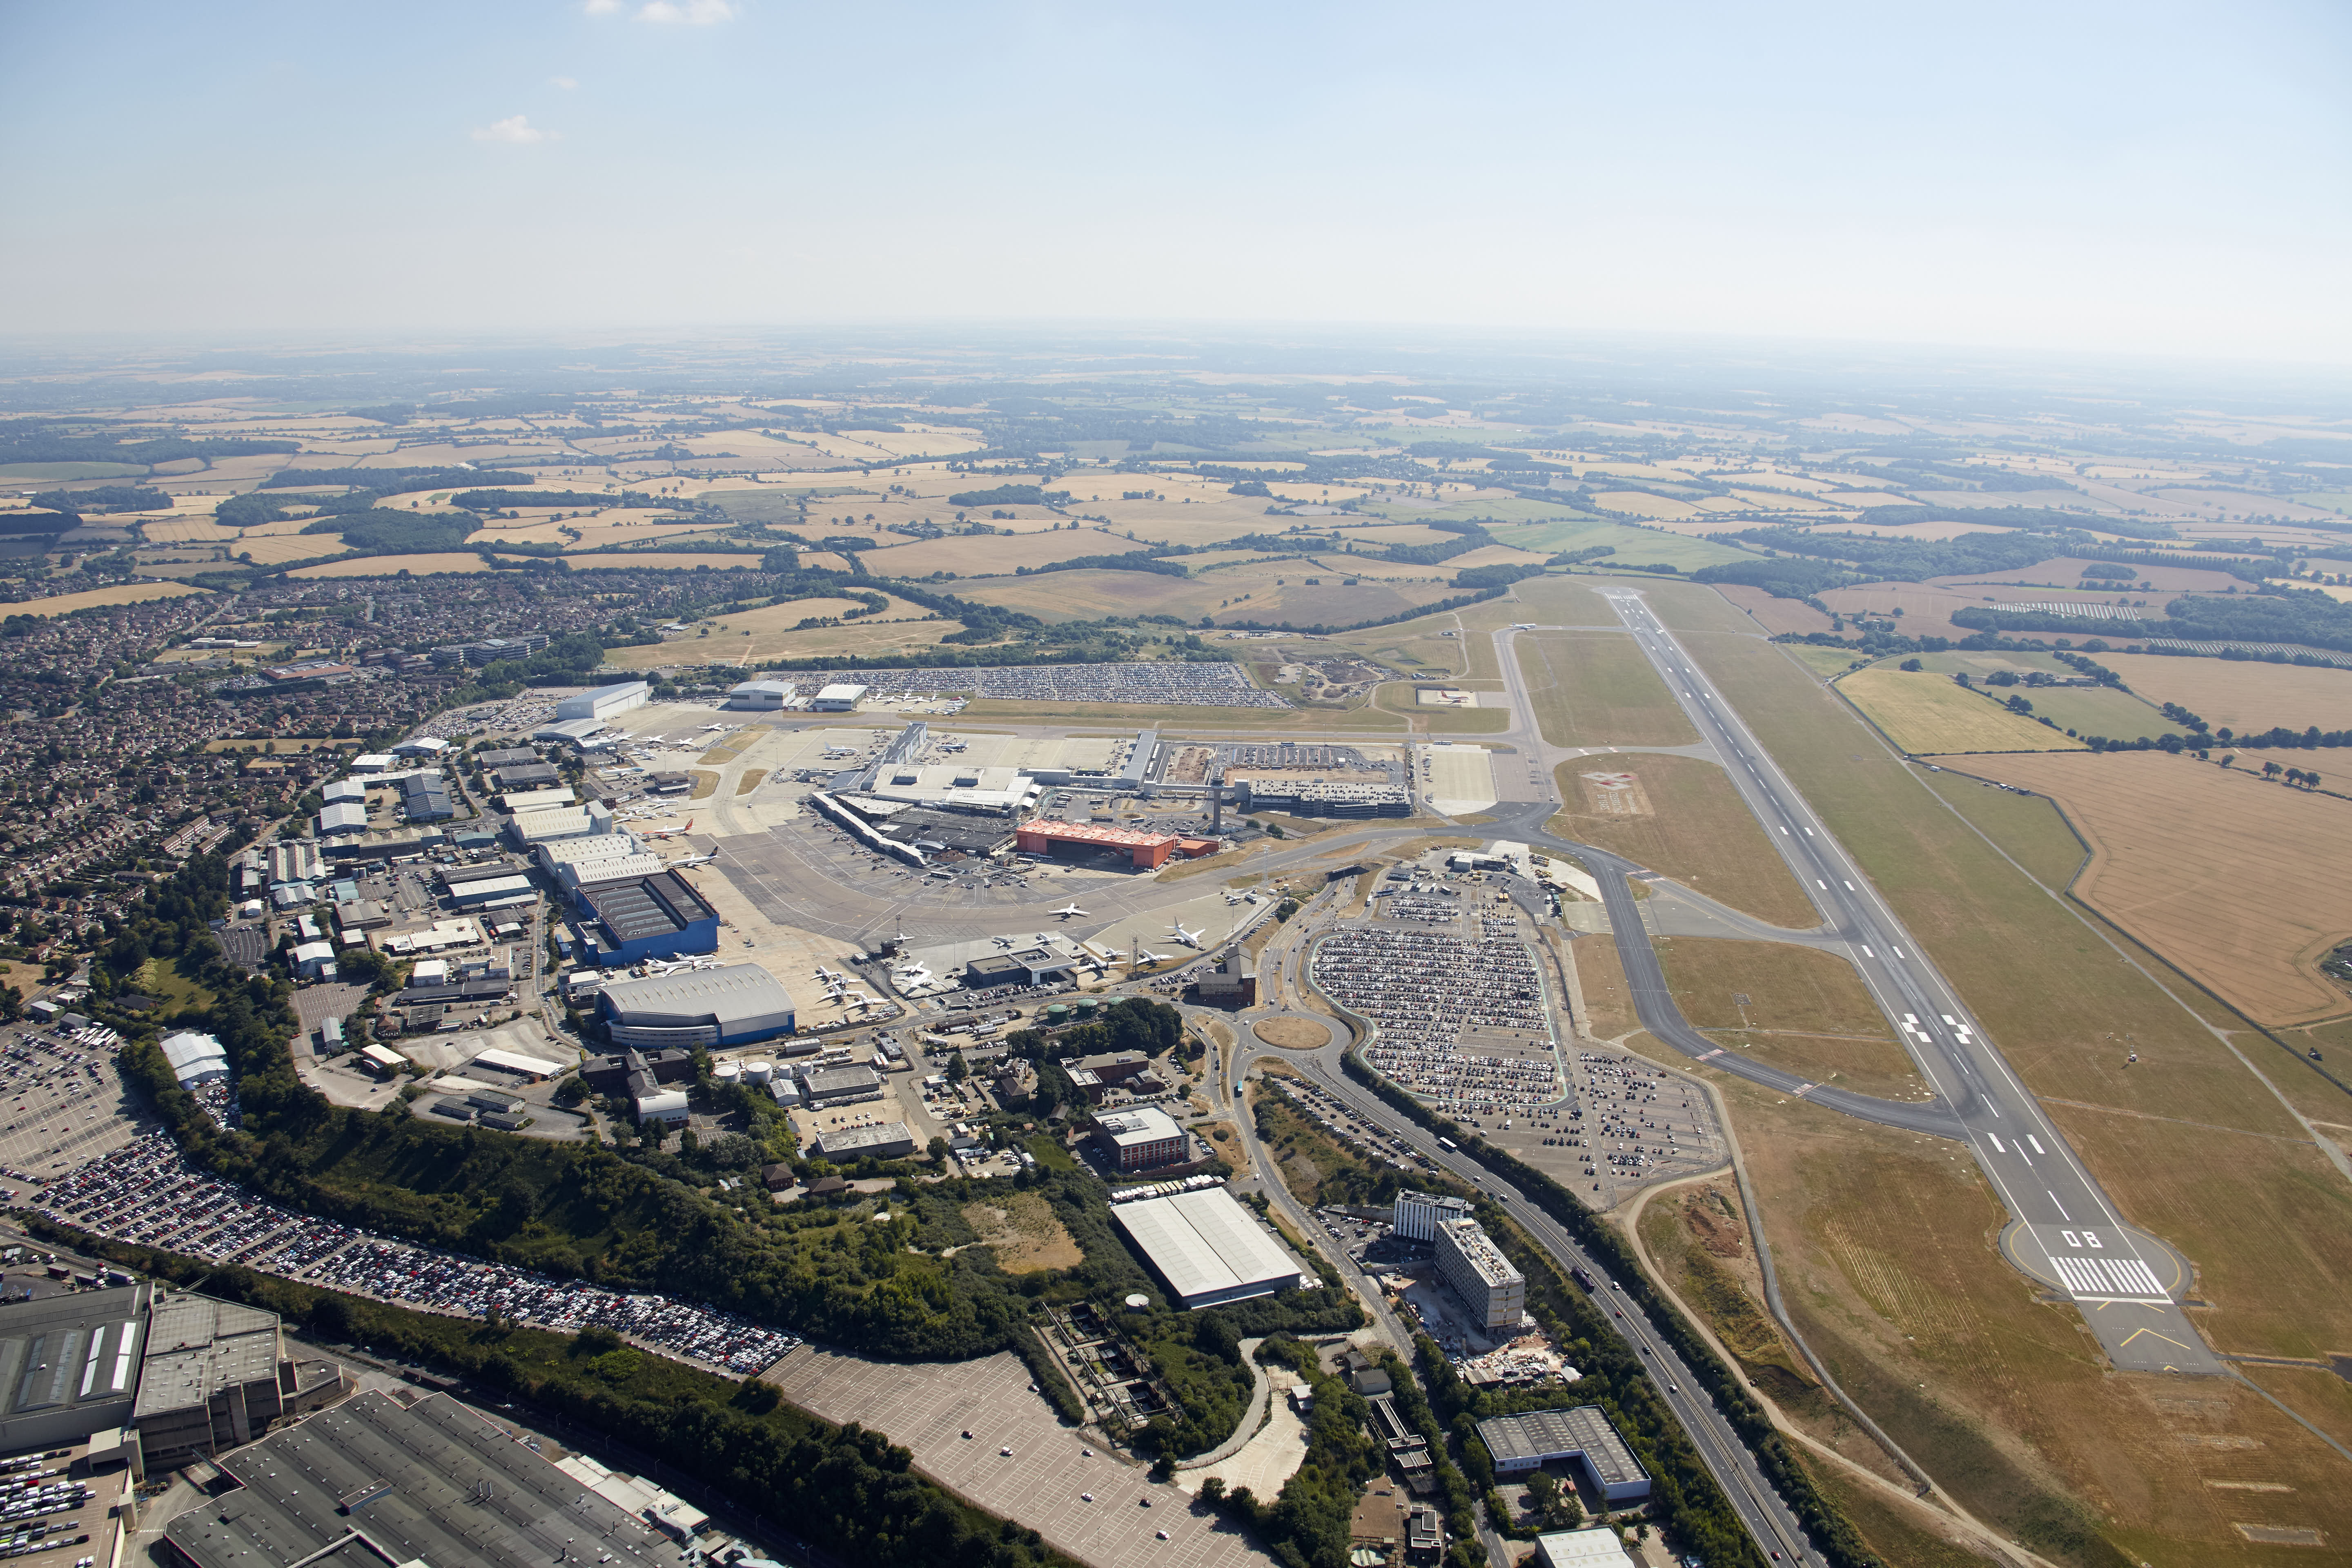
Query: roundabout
(1292, 1032)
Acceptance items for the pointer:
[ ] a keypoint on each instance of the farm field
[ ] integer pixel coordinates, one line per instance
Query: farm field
(93, 598)
(1824, 662)
(1929, 714)
(2067, 570)
(1795, 1007)
(1596, 689)
(978, 555)
(2241, 695)
(657, 560)
(1939, 530)
(1695, 829)
(2241, 883)
(882, 634)
(1276, 591)
(2052, 994)
(271, 550)
(61, 473)
(1631, 544)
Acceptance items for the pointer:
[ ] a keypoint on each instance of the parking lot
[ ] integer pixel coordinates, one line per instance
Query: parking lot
(1020, 1461)
(62, 1102)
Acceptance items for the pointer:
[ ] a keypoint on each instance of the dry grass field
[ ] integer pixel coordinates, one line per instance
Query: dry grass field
(760, 635)
(2068, 569)
(1272, 592)
(2243, 884)
(271, 550)
(120, 594)
(1697, 832)
(989, 556)
(661, 559)
(1023, 1234)
(1774, 615)
(1596, 689)
(2241, 696)
(1795, 1007)
(1944, 529)
(1882, 1244)
(1642, 503)
(1929, 714)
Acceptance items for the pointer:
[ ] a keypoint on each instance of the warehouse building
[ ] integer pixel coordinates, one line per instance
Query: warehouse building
(1145, 851)
(566, 860)
(337, 790)
(343, 816)
(735, 1005)
(839, 698)
(424, 798)
(527, 829)
(45, 1346)
(1139, 1140)
(604, 702)
(1581, 1436)
(531, 774)
(545, 799)
(841, 1086)
(1207, 1247)
(1477, 1272)
(883, 1141)
(215, 1375)
(508, 757)
(765, 696)
(587, 734)
(625, 923)
(443, 1483)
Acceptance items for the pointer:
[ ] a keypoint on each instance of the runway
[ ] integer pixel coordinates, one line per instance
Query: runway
(2070, 1231)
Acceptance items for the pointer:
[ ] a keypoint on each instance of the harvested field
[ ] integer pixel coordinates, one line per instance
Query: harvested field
(2067, 572)
(2241, 695)
(1926, 714)
(1699, 833)
(750, 636)
(1630, 542)
(991, 556)
(1023, 1234)
(1776, 616)
(272, 550)
(1828, 663)
(120, 594)
(1596, 689)
(1274, 592)
(2243, 884)
(1795, 1007)
(659, 559)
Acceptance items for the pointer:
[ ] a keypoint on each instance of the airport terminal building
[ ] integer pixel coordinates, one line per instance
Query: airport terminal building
(734, 1005)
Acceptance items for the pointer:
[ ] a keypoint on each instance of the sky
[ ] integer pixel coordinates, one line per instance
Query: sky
(2145, 178)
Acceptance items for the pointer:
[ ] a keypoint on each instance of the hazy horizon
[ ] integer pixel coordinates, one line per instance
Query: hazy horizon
(2150, 181)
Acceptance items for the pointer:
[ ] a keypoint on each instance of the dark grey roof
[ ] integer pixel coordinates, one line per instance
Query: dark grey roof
(456, 1493)
(654, 907)
(1545, 1435)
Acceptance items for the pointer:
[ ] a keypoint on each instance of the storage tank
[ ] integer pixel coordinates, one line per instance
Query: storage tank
(1056, 1013)
(728, 1072)
(1085, 1007)
(759, 1071)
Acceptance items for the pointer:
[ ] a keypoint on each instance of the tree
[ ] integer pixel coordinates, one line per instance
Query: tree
(2269, 769)
(2310, 779)
(959, 1069)
(936, 1148)
(1910, 664)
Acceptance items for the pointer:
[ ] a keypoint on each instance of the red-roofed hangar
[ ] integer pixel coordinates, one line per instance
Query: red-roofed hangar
(1146, 850)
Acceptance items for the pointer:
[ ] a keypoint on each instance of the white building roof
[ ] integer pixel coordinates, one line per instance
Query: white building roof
(1206, 1244)
(512, 1061)
(373, 763)
(194, 1056)
(537, 799)
(578, 851)
(841, 691)
(345, 789)
(562, 822)
(618, 868)
(1144, 1124)
(733, 993)
(763, 688)
(579, 732)
(424, 746)
(1596, 1548)
(343, 817)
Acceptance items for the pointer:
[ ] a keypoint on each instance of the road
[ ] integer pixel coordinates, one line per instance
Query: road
(2069, 1234)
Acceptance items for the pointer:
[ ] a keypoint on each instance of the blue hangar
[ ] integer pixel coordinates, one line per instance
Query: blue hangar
(638, 918)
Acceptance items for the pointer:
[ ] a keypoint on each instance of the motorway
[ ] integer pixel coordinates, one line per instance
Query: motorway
(2069, 1234)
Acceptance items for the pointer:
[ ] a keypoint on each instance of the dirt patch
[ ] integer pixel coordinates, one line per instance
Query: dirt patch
(1297, 1034)
(750, 781)
(705, 785)
(1023, 1234)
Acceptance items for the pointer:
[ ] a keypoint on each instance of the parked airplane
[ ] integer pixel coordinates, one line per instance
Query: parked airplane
(1002, 940)
(669, 831)
(1067, 910)
(1141, 956)
(1189, 938)
(691, 860)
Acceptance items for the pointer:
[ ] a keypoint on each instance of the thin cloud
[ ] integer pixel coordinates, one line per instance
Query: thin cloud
(691, 14)
(601, 7)
(567, 83)
(516, 130)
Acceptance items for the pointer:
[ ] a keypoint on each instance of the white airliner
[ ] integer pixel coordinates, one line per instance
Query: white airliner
(691, 860)
(1176, 933)
(1002, 940)
(1067, 910)
(1141, 956)
(669, 831)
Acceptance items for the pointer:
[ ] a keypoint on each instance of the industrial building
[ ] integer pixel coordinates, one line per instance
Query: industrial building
(336, 790)
(1139, 1140)
(1034, 966)
(1207, 1247)
(1475, 1267)
(371, 1482)
(557, 822)
(605, 701)
(424, 798)
(538, 799)
(1230, 982)
(1145, 851)
(768, 696)
(508, 757)
(215, 1375)
(587, 734)
(841, 1086)
(625, 923)
(470, 886)
(343, 816)
(45, 1348)
(531, 774)
(1599, 1547)
(1581, 1436)
(1314, 799)
(569, 861)
(1415, 1216)
(735, 1005)
(885, 1141)
(840, 698)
